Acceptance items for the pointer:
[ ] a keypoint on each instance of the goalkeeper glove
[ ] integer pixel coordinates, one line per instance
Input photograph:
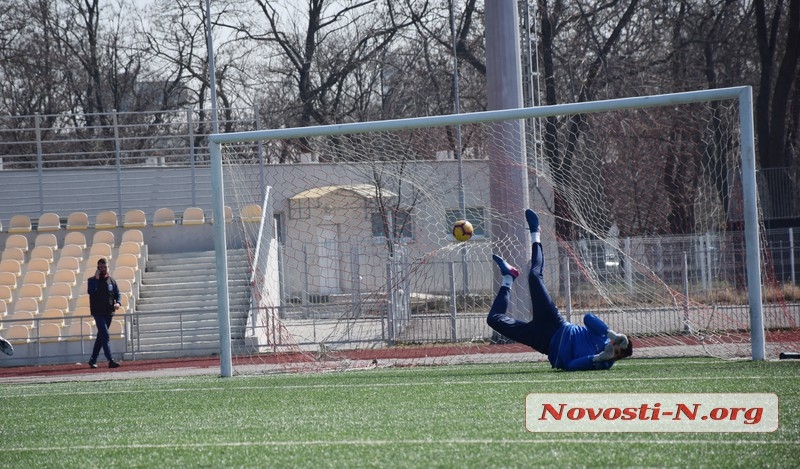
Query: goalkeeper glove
(618, 339)
(606, 354)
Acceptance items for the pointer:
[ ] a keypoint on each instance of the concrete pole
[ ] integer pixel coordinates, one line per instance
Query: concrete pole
(509, 177)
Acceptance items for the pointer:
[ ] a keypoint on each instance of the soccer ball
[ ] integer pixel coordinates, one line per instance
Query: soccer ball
(462, 230)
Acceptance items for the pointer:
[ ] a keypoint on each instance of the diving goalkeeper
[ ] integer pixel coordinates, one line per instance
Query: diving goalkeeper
(568, 346)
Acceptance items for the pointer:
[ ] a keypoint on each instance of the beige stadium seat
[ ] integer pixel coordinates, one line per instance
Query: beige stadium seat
(39, 265)
(20, 224)
(60, 289)
(21, 318)
(130, 247)
(49, 222)
(82, 312)
(193, 216)
(117, 328)
(30, 290)
(8, 280)
(124, 273)
(3, 309)
(33, 277)
(65, 276)
(75, 238)
(30, 305)
(46, 239)
(49, 332)
(79, 330)
(6, 294)
(101, 249)
(69, 263)
(133, 236)
(13, 253)
(228, 215)
(82, 301)
(42, 252)
(57, 302)
(125, 287)
(17, 241)
(129, 260)
(134, 218)
(164, 217)
(78, 221)
(17, 334)
(250, 214)
(104, 237)
(106, 220)
(72, 250)
(11, 266)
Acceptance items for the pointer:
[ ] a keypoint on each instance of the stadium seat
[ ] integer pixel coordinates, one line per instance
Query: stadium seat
(104, 237)
(42, 252)
(250, 213)
(101, 249)
(75, 238)
(164, 217)
(46, 239)
(65, 276)
(134, 218)
(82, 301)
(228, 215)
(79, 330)
(60, 289)
(5, 294)
(106, 220)
(3, 309)
(133, 236)
(11, 266)
(17, 334)
(129, 260)
(13, 253)
(72, 250)
(8, 280)
(69, 263)
(117, 328)
(78, 221)
(124, 273)
(130, 247)
(81, 312)
(39, 265)
(60, 303)
(125, 287)
(17, 241)
(21, 318)
(27, 304)
(29, 290)
(20, 224)
(33, 277)
(193, 216)
(49, 332)
(48, 222)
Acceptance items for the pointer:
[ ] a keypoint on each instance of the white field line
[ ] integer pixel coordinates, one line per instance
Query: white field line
(393, 442)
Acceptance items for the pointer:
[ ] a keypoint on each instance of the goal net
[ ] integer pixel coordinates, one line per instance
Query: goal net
(649, 221)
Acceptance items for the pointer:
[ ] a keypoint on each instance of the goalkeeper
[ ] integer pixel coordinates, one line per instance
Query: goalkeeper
(568, 346)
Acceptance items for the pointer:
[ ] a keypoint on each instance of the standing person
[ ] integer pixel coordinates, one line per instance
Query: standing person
(568, 346)
(103, 302)
(6, 347)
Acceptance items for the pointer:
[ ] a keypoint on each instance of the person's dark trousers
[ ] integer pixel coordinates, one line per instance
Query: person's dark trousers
(102, 322)
(546, 318)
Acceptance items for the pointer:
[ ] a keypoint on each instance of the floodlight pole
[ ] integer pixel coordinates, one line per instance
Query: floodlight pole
(220, 239)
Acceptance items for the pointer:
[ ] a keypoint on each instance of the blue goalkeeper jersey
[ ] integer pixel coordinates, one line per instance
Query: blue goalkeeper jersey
(573, 347)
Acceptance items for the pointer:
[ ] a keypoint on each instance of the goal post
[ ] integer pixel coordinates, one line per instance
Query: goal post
(355, 140)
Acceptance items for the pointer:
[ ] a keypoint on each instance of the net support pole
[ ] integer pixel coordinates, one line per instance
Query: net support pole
(220, 255)
(752, 245)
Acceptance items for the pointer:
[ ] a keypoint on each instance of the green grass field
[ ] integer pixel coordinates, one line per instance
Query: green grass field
(448, 416)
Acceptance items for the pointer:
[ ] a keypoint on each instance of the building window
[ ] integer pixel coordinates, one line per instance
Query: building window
(474, 215)
(403, 224)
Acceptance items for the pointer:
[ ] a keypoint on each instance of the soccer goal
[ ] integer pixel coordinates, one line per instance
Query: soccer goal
(650, 220)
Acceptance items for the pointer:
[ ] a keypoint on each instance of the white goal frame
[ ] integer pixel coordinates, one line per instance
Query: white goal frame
(743, 95)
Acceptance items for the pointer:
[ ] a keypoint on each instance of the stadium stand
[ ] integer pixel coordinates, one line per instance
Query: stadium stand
(8, 280)
(60, 289)
(193, 216)
(53, 316)
(130, 247)
(228, 215)
(106, 220)
(3, 310)
(65, 276)
(101, 250)
(13, 253)
(17, 241)
(26, 304)
(49, 332)
(21, 318)
(79, 330)
(48, 222)
(134, 218)
(42, 252)
(164, 217)
(76, 238)
(6, 295)
(33, 277)
(124, 273)
(69, 263)
(11, 266)
(46, 239)
(133, 236)
(17, 334)
(72, 250)
(250, 213)
(38, 265)
(29, 290)
(77, 221)
(20, 224)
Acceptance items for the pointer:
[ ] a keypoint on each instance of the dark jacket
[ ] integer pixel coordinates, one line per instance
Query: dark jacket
(103, 293)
